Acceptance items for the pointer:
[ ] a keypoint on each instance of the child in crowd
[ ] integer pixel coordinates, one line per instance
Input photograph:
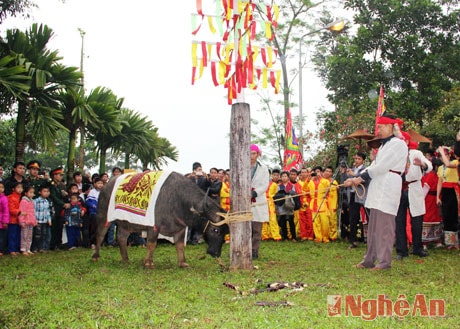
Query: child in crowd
(44, 211)
(73, 220)
(14, 230)
(4, 219)
(91, 206)
(27, 219)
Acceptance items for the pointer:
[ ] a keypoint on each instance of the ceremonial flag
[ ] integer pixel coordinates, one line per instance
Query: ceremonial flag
(292, 154)
(380, 109)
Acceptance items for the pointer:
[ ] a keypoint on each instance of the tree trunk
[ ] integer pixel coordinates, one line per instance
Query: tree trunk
(102, 160)
(240, 186)
(127, 161)
(81, 161)
(21, 131)
(71, 156)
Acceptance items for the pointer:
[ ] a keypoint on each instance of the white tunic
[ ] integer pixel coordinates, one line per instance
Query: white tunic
(414, 175)
(259, 183)
(384, 190)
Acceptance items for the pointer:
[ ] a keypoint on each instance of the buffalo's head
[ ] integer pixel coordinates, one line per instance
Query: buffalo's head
(214, 233)
(215, 237)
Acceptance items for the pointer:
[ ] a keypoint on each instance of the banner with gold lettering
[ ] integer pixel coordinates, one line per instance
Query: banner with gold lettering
(134, 196)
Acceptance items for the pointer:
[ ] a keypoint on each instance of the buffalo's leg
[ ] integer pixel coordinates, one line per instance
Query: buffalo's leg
(101, 230)
(152, 238)
(179, 241)
(122, 238)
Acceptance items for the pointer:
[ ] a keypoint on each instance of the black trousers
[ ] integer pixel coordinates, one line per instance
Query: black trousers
(417, 228)
(355, 223)
(282, 222)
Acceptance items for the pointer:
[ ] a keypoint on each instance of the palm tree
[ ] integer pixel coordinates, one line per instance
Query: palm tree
(157, 151)
(77, 114)
(134, 135)
(48, 77)
(106, 130)
(14, 81)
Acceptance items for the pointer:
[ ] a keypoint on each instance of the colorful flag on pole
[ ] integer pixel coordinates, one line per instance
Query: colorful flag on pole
(380, 108)
(292, 154)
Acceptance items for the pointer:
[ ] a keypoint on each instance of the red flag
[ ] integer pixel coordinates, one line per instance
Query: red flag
(292, 154)
(380, 108)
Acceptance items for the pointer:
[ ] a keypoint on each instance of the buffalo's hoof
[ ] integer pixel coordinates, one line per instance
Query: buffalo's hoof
(184, 265)
(95, 259)
(149, 265)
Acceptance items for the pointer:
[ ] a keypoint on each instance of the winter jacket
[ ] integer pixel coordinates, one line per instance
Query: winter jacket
(13, 204)
(4, 211)
(27, 212)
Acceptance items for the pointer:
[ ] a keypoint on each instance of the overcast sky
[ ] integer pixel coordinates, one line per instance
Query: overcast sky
(141, 50)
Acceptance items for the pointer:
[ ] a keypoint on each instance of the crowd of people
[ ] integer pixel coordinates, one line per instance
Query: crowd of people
(402, 198)
(39, 212)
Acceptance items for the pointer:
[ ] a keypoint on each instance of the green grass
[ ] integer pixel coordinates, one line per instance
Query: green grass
(65, 289)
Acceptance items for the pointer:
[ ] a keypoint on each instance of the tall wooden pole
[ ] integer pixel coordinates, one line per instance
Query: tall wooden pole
(240, 186)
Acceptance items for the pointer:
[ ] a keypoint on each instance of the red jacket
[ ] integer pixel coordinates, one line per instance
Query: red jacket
(13, 204)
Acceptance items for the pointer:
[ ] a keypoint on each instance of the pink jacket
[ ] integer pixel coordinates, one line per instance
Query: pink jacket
(4, 211)
(27, 207)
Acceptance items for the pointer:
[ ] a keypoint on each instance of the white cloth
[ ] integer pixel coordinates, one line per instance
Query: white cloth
(259, 183)
(149, 218)
(415, 174)
(384, 191)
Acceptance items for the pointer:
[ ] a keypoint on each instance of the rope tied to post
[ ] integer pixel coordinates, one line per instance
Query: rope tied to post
(234, 217)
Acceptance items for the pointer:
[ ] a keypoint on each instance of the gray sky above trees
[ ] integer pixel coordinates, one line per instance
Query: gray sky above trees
(142, 52)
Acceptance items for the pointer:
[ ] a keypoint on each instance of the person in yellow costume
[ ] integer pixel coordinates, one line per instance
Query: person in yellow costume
(317, 188)
(270, 229)
(332, 202)
(225, 196)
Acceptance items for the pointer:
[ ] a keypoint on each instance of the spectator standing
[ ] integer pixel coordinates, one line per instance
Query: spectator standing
(214, 184)
(4, 220)
(78, 180)
(355, 202)
(91, 206)
(305, 215)
(44, 212)
(271, 229)
(332, 202)
(14, 230)
(225, 197)
(260, 177)
(59, 202)
(285, 207)
(446, 196)
(116, 171)
(432, 216)
(27, 219)
(17, 176)
(317, 189)
(72, 218)
(293, 178)
(412, 198)
(104, 177)
(383, 194)
(34, 178)
(198, 177)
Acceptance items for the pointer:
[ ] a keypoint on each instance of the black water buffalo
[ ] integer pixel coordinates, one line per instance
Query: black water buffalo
(180, 203)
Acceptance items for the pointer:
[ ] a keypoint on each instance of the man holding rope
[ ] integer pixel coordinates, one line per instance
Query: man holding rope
(260, 178)
(384, 193)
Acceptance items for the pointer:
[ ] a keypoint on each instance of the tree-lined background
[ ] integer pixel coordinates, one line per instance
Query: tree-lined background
(411, 47)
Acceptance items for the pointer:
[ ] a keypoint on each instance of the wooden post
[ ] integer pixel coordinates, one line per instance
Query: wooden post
(240, 186)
